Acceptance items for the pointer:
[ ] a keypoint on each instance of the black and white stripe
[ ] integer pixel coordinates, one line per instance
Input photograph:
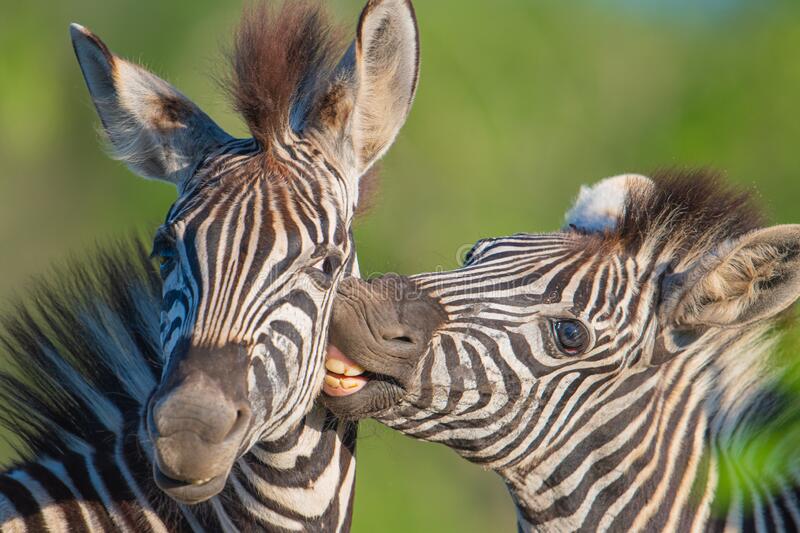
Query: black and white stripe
(251, 254)
(248, 250)
(653, 427)
(85, 361)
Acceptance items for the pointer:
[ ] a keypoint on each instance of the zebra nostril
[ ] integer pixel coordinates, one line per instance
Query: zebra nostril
(397, 334)
(243, 415)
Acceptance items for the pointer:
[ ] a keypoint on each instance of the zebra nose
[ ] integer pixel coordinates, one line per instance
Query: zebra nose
(384, 324)
(197, 432)
(199, 409)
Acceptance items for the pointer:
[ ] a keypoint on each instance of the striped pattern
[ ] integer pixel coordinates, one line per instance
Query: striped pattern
(83, 369)
(608, 440)
(251, 255)
(250, 241)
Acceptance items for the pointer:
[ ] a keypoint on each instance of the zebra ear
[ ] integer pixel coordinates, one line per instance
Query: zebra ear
(599, 207)
(746, 280)
(370, 95)
(153, 128)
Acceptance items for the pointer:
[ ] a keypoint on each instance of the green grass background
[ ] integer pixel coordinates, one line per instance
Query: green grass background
(520, 102)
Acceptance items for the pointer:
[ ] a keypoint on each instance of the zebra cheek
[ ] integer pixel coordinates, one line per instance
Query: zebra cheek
(261, 388)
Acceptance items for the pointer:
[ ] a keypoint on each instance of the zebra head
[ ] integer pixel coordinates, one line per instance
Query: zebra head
(253, 249)
(542, 337)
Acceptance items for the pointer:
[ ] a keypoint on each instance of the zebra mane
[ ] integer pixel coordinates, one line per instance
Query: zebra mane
(281, 58)
(689, 211)
(82, 354)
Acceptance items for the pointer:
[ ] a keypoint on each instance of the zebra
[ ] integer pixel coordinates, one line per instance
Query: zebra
(618, 374)
(86, 358)
(206, 374)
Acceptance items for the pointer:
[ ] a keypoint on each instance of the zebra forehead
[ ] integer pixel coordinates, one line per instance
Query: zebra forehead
(684, 211)
(277, 187)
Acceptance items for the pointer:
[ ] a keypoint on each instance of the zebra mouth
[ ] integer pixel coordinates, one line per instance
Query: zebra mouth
(343, 376)
(189, 492)
(352, 392)
(379, 332)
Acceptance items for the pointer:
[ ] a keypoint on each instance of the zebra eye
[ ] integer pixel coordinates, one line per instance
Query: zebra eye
(471, 254)
(468, 257)
(329, 266)
(571, 336)
(322, 272)
(166, 260)
(164, 251)
(165, 255)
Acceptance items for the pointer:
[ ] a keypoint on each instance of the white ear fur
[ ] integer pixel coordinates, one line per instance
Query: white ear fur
(599, 206)
(387, 59)
(151, 126)
(745, 280)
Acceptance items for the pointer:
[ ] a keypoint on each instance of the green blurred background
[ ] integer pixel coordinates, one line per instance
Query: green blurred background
(520, 102)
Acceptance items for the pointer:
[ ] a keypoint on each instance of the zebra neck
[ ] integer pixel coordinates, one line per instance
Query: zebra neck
(623, 471)
(309, 473)
(665, 451)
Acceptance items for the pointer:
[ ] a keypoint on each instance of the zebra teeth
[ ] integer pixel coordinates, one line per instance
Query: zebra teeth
(354, 370)
(202, 481)
(332, 382)
(335, 366)
(349, 383)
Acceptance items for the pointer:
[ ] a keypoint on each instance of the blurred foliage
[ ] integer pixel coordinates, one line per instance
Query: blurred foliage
(520, 102)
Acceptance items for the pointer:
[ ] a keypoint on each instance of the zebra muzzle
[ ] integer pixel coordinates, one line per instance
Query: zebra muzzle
(380, 331)
(197, 424)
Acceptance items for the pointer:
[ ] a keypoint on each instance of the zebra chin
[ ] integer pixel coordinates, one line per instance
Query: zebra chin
(189, 493)
(191, 471)
(380, 331)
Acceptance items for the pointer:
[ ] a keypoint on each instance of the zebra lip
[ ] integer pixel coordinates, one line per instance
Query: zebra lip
(186, 491)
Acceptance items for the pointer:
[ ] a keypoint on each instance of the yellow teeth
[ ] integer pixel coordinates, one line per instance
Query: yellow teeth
(332, 382)
(335, 366)
(348, 383)
(354, 370)
(338, 367)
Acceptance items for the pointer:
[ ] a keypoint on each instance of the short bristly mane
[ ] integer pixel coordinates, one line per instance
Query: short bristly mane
(82, 355)
(282, 61)
(686, 210)
(282, 57)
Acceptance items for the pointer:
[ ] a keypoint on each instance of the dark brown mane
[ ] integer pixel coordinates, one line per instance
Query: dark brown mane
(281, 56)
(687, 209)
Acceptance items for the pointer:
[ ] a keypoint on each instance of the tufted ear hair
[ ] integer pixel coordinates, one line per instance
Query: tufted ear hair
(599, 207)
(746, 280)
(151, 126)
(370, 94)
